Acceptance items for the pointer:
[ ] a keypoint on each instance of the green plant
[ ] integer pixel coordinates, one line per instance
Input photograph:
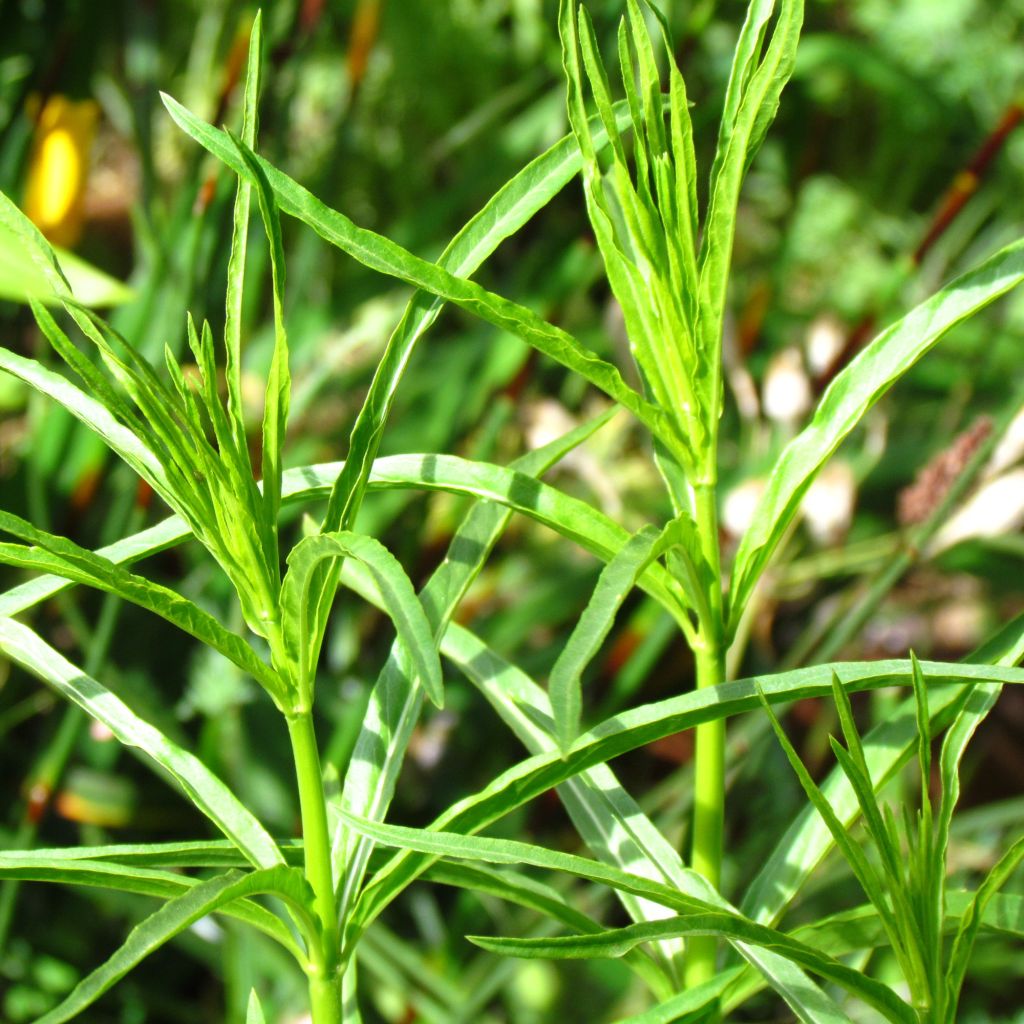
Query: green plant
(669, 270)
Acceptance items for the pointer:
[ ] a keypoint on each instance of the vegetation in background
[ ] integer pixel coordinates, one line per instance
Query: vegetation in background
(713, 307)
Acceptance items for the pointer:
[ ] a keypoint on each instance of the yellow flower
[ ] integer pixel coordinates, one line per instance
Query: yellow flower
(58, 168)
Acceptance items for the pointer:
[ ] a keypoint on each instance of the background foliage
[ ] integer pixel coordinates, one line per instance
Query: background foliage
(408, 116)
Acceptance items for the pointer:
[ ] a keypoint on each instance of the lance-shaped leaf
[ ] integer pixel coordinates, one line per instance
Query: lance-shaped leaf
(630, 729)
(400, 601)
(387, 257)
(239, 241)
(62, 556)
(697, 916)
(203, 788)
(617, 579)
(618, 941)
(52, 866)
(854, 390)
(394, 703)
(175, 916)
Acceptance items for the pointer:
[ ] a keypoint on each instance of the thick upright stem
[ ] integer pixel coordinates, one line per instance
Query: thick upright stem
(324, 970)
(708, 810)
(709, 755)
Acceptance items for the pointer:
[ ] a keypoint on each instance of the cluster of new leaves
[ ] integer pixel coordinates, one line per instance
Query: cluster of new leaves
(906, 881)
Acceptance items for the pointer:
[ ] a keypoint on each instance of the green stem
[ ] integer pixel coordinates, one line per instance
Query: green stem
(324, 970)
(709, 753)
(708, 809)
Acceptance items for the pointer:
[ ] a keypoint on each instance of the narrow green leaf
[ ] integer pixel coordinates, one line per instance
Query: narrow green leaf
(807, 840)
(174, 917)
(94, 415)
(963, 944)
(275, 410)
(254, 1011)
(855, 766)
(853, 391)
(394, 703)
(192, 853)
(387, 257)
(400, 601)
(203, 788)
(240, 239)
(617, 579)
(88, 373)
(618, 941)
(63, 557)
(49, 866)
(862, 869)
(752, 99)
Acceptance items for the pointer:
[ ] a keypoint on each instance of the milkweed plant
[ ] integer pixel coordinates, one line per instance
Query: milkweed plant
(667, 256)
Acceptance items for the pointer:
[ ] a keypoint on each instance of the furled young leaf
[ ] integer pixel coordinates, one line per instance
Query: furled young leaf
(383, 255)
(174, 917)
(752, 98)
(646, 242)
(239, 241)
(254, 1011)
(400, 601)
(853, 391)
(203, 788)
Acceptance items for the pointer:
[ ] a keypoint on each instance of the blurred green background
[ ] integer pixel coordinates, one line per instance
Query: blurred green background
(896, 160)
